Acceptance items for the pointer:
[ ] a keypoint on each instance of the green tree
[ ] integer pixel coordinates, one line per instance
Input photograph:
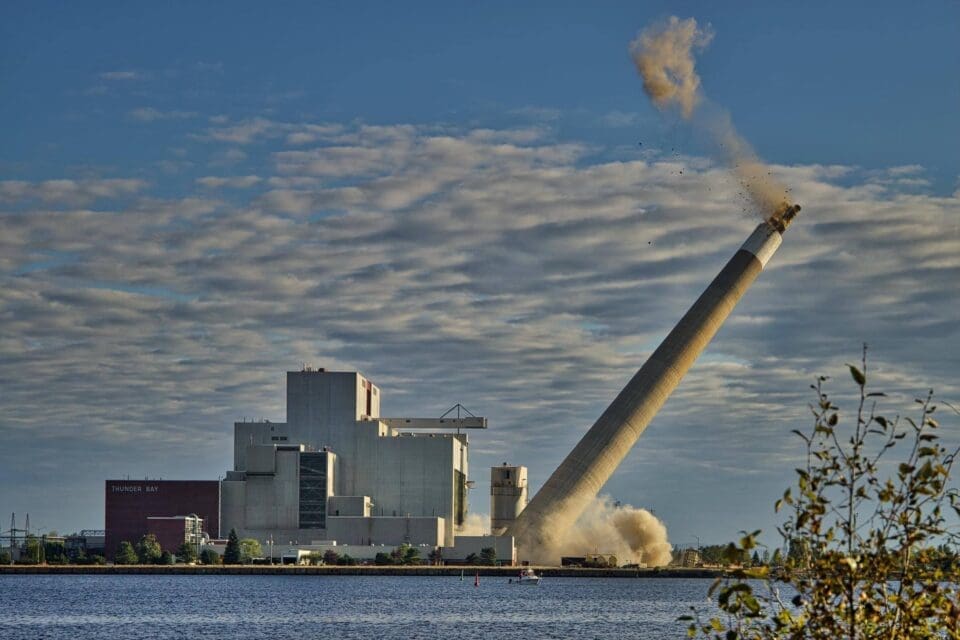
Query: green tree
(4, 557)
(860, 530)
(250, 549)
(436, 556)
(411, 555)
(488, 556)
(167, 558)
(716, 553)
(148, 549)
(231, 555)
(209, 556)
(330, 557)
(187, 552)
(383, 559)
(32, 551)
(346, 560)
(126, 554)
(472, 559)
(55, 552)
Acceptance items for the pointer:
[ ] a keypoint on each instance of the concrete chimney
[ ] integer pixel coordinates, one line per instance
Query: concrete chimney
(579, 478)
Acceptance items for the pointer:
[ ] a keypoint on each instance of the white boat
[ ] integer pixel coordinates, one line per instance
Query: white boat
(528, 576)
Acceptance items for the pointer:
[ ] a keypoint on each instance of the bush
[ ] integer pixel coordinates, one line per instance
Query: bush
(250, 549)
(209, 556)
(32, 551)
(167, 558)
(346, 560)
(382, 559)
(410, 555)
(860, 534)
(5, 557)
(330, 557)
(126, 554)
(55, 552)
(488, 556)
(187, 553)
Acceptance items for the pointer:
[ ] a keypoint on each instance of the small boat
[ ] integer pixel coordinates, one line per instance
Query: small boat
(528, 576)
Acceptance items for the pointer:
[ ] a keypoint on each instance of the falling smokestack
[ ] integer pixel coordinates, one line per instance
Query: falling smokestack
(540, 527)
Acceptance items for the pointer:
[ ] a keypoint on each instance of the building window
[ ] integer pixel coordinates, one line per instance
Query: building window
(313, 490)
(459, 497)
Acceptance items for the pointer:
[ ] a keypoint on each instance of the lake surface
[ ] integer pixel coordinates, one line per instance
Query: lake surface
(121, 607)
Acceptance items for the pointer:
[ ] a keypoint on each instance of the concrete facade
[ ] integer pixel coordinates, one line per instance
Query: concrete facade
(379, 485)
(387, 530)
(508, 495)
(504, 547)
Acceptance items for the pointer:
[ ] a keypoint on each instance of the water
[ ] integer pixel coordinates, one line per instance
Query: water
(122, 607)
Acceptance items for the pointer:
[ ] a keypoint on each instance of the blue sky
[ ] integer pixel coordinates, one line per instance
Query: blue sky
(467, 204)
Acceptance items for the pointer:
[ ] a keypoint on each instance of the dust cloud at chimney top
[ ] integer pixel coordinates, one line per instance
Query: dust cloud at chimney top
(664, 57)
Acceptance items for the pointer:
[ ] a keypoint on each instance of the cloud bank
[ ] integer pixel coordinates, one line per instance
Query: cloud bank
(525, 277)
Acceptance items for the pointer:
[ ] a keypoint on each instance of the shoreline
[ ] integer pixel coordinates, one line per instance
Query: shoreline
(468, 571)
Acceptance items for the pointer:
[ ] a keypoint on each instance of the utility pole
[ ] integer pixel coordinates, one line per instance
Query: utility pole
(12, 534)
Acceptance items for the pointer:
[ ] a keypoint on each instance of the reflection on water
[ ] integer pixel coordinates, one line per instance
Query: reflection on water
(385, 608)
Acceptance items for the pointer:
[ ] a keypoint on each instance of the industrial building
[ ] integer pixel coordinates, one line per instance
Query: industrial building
(135, 508)
(335, 473)
(508, 496)
(338, 473)
(337, 470)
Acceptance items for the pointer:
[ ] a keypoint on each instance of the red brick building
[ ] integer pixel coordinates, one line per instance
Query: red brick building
(129, 504)
(173, 531)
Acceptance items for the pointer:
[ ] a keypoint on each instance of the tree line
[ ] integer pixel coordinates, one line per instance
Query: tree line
(148, 551)
(38, 550)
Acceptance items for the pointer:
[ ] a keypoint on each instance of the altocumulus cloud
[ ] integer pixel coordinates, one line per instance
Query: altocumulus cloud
(502, 269)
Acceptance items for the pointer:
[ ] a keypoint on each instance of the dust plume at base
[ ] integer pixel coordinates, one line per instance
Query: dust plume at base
(475, 524)
(631, 534)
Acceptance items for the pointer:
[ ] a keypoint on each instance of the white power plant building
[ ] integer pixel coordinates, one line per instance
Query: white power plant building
(336, 472)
